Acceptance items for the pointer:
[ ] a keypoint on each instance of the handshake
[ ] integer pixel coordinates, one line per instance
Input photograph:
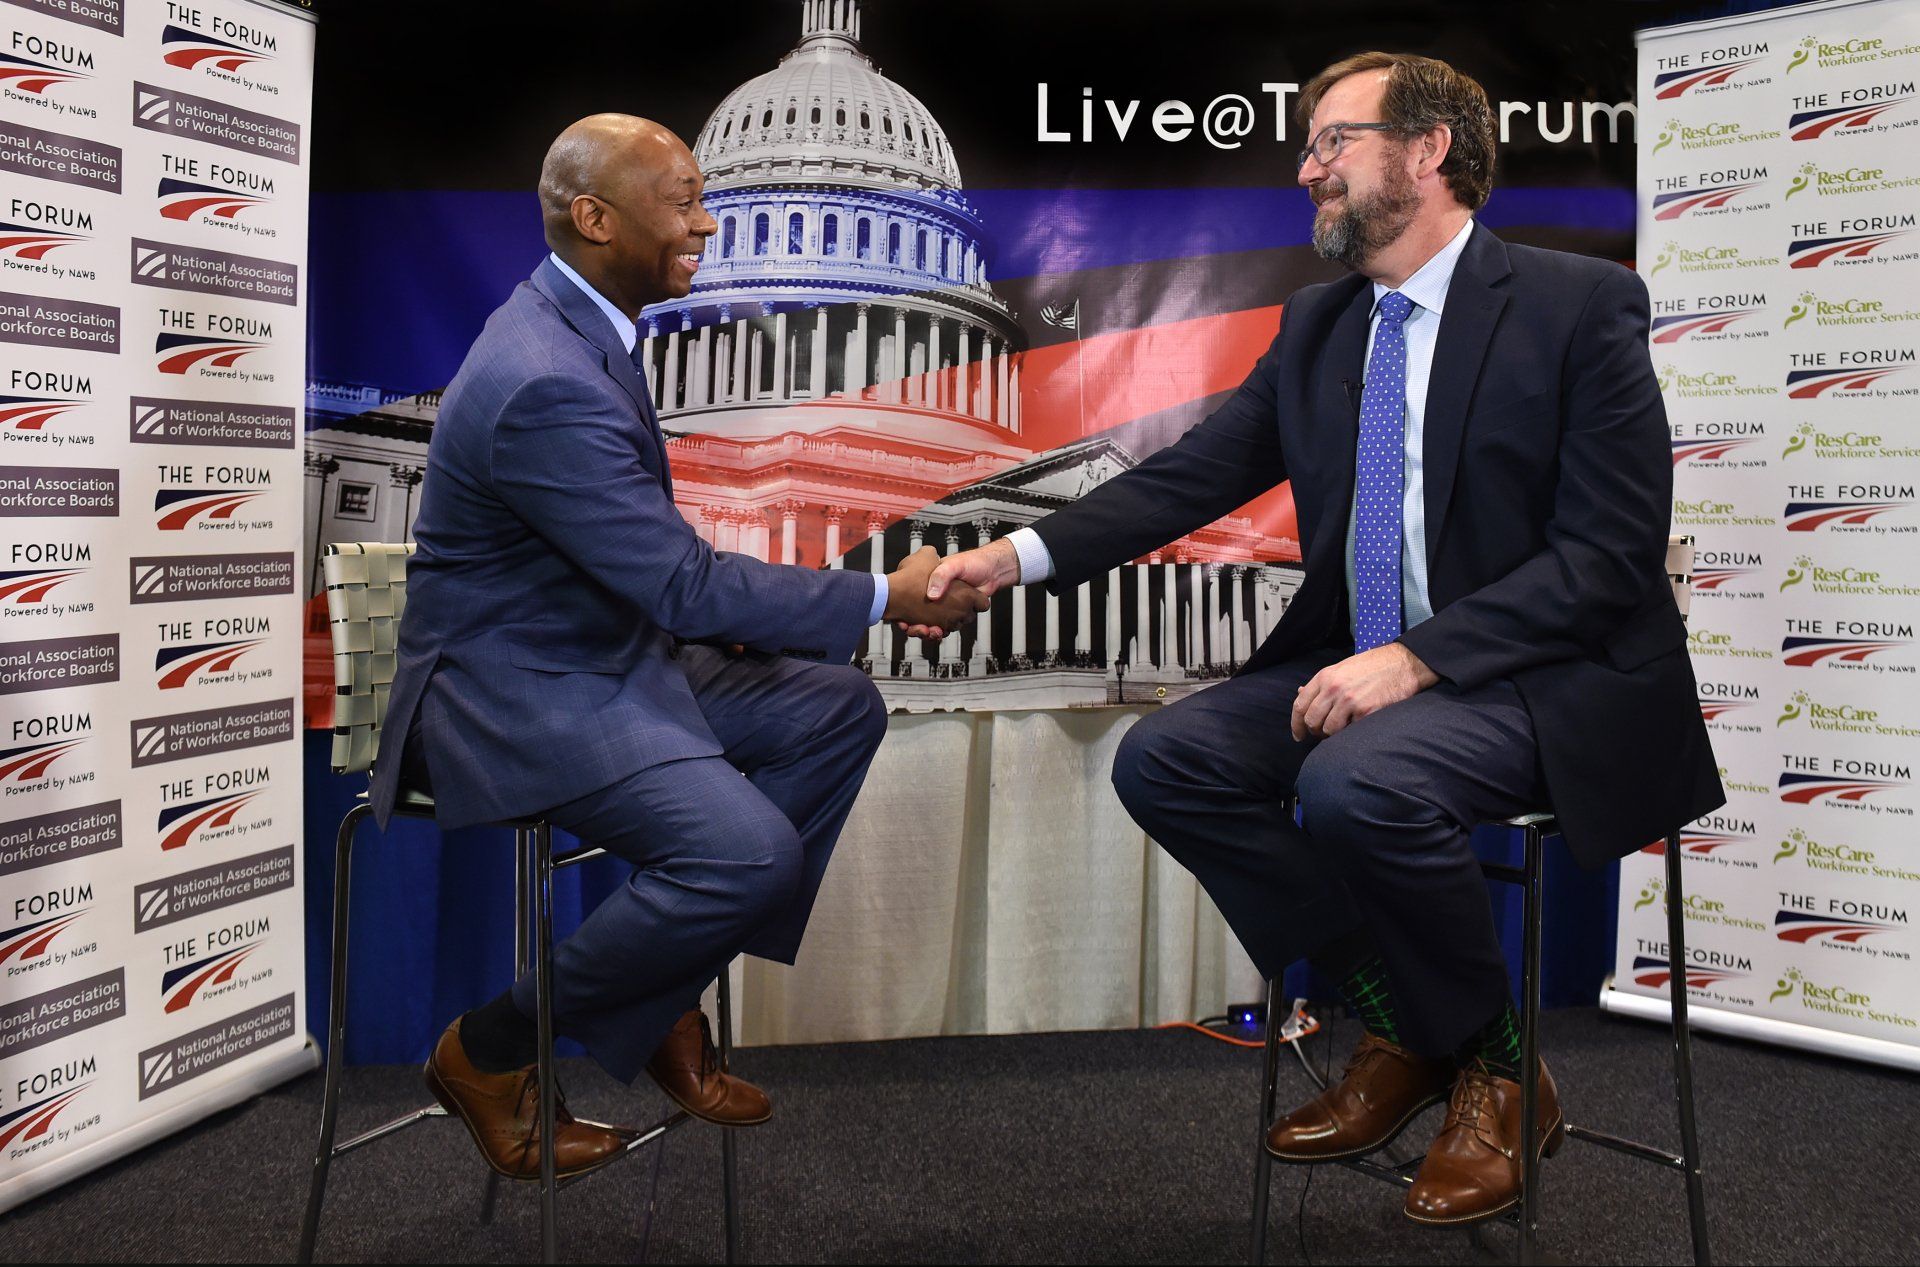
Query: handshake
(929, 596)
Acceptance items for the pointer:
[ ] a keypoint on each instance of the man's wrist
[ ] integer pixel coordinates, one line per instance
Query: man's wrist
(1425, 676)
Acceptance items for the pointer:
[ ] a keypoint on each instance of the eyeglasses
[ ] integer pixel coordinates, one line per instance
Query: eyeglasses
(1328, 141)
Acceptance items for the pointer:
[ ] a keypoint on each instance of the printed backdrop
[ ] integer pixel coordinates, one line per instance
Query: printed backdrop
(153, 182)
(1780, 198)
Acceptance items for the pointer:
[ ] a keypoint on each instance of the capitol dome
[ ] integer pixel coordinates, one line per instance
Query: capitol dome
(825, 111)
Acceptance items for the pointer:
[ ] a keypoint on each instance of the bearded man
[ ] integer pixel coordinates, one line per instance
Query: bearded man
(1480, 466)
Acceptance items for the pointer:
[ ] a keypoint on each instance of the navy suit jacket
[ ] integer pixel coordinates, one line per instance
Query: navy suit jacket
(553, 574)
(1549, 487)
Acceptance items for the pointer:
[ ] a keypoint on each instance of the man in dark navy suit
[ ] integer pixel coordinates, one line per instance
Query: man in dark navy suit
(572, 649)
(1480, 465)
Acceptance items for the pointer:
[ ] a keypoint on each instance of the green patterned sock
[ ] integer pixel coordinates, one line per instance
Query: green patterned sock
(1496, 1045)
(1366, 994)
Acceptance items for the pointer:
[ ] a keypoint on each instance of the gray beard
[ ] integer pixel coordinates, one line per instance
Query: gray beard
(1365, 227)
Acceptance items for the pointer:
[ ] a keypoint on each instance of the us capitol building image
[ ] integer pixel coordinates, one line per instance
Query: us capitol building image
(842, 386)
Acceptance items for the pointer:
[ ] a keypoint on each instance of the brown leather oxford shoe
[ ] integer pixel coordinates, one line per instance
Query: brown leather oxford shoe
(502, 1111)
(688, 1070)
(1472, 1172)
(1383, 1087)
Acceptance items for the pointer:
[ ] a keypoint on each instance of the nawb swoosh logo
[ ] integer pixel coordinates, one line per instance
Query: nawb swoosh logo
(180, 824)
(1678, 83)
(1808, 516)
(30, 1122)
(1805, 789)
(33, 413)
(1674, 206)
(1813, 252)
(176, 508)
(24, 765)
(30, 588)
(190, 50)
(1714, 578)
(31, 941)
(1811, 125)
(25, 242)
(1802, 652)
(1655, 973)
(179, 666)
(183, 200)
(1674, 329)
(27, 75)
(1805, 927)
(1705, 450)
(178, 353)
(181, 985)
(1807, 384)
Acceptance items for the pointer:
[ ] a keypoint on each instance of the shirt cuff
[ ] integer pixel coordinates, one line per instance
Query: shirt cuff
(879, 608)
(1036, 561)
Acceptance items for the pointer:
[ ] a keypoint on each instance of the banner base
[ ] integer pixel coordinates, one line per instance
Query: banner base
(268, 1073)
(1764, 1029)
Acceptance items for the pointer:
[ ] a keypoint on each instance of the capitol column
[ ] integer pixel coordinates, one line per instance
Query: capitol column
(878, 635)
(670, 399)
(789, 524)
(1113, 616)
(699, 371)
(779, 355)
(737, 386)
(963, 372)
(856, 364)
(1196, 613)
(817, 363)
(1213, 614)
(834, 515)
(1170, 623)
(985, 397)
(1052, 649)
(930, 390)
(1014, 420)
(1083, 623)
(1002, 369)
(897, 367)
(983, 629)
(950, 645)
(708, 528)
(726, 532)
(1235, 579)
(916, 652)
(1142, 616)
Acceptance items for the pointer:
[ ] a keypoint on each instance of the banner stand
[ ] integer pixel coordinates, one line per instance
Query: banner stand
(1764, 1029)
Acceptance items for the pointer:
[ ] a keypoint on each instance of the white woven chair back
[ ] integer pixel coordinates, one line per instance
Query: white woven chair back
(366, 596)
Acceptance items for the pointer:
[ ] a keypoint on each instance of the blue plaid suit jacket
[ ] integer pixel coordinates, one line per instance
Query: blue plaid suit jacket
(553, 573)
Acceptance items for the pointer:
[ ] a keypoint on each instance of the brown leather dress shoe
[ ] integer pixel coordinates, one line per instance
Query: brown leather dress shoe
(1472, 1172)
(1383, 1087)
(688, 1070)
(502, 1110)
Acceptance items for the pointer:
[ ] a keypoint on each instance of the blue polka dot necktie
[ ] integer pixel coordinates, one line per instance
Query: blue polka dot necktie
(1379, 480)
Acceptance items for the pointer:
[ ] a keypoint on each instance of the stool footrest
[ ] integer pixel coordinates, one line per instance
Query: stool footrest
(1632, 1147)
(400, 1123)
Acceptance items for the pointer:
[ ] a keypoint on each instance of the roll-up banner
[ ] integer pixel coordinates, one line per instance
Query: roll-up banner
(1779, 233)
(153, 245)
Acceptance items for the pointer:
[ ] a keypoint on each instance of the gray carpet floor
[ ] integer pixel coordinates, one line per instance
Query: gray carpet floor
(1130, 1147)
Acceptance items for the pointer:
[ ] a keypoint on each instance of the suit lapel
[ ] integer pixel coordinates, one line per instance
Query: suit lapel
(593, 326)
(1474, 302)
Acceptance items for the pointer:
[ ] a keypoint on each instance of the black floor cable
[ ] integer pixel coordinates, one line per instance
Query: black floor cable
(653, 1196)
(1300, 1209)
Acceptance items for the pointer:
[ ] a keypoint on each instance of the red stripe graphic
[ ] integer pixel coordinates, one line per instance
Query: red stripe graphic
(218, 816)
(30, 767)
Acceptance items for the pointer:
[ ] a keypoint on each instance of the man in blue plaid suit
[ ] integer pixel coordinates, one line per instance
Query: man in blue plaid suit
(572, 649)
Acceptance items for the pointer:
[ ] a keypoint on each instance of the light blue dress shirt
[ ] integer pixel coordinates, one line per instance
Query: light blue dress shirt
(625, 327)
(1427, 288)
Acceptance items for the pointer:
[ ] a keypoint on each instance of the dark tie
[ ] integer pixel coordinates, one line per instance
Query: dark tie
(1379, 475)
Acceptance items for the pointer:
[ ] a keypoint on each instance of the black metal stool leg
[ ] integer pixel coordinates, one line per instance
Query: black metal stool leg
(522, 964)
(543, 959)
(336, 1031)
(1262, 1159)
(1530, 1045)
(730, 1206)
(1683, 1053)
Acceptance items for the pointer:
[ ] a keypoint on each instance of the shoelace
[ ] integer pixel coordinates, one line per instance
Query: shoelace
(1471, 1106)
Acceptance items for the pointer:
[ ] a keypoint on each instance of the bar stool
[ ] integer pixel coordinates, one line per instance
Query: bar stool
(366, 596)
(1535, 829)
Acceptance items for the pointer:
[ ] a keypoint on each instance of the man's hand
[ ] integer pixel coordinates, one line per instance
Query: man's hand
(1343, 693)
(990, 568)
(911, 602)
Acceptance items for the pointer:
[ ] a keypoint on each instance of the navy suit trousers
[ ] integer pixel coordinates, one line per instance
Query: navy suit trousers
(728, 853)
(1382, 844)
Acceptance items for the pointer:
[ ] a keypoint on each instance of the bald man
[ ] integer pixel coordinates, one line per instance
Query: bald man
(572, 650)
